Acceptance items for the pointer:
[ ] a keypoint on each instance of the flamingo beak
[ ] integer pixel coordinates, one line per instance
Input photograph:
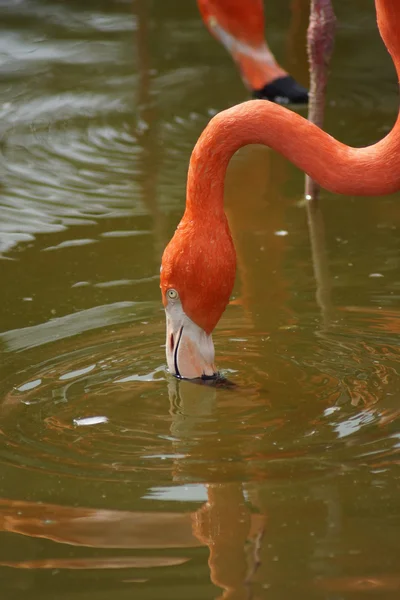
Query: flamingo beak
(189, 349)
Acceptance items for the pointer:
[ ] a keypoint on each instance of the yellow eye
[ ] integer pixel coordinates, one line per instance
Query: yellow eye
(172, 294)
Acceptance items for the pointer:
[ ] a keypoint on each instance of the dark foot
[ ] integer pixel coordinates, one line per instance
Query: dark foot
(284, 90)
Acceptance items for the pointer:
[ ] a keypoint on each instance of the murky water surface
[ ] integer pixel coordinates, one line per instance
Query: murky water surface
(116, 479)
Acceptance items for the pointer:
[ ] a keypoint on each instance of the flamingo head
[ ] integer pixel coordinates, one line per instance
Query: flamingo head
(197, 276)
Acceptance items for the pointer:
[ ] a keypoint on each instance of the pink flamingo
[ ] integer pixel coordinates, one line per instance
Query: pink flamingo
(199, 263)
(239, 25)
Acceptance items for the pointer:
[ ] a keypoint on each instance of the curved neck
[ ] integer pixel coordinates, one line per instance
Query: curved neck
(370, 171)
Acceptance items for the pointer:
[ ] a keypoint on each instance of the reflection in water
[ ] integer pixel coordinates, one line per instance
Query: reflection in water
(224, 523)
(252, 451)
(134, 562)
(389, 583)
(258, 174)
(97, 528)
(316, 228)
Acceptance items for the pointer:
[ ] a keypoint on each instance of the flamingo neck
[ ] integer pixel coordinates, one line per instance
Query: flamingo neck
(243, 22)
(370, 171)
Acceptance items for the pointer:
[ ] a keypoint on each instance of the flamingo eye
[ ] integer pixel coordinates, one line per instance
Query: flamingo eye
(172, 294)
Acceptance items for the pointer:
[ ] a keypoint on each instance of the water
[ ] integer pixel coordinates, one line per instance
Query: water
(116, 479)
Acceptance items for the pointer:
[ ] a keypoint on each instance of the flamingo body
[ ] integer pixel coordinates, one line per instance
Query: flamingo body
(199, 263)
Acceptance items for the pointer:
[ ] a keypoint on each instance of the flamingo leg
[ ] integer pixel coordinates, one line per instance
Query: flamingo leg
(320, 40)
(239, 25)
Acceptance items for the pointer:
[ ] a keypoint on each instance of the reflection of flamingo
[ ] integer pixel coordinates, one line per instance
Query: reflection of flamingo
(226, 523)
(198, 265)
(239, 26)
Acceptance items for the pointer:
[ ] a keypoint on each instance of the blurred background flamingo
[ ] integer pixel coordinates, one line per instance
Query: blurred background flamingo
(240, 27)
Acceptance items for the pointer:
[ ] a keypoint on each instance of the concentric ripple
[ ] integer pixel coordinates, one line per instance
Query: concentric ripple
(73, 412)
(101, 406)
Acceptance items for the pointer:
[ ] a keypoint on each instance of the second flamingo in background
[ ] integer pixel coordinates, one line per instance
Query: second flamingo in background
(240, 26)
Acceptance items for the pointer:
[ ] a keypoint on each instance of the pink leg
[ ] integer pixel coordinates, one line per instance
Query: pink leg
(320, 39)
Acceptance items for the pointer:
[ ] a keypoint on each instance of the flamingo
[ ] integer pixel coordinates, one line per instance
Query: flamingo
(199, 263)
(239, 26)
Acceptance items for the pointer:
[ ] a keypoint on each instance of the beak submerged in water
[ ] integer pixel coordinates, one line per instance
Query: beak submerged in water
(190, 350)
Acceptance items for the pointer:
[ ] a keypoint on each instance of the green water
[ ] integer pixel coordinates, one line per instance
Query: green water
(284, 487)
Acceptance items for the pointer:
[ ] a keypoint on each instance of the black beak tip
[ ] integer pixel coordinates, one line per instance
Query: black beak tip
(216, 380)
(284, 90)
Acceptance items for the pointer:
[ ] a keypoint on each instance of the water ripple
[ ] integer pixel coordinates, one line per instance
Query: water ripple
(99, 405)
